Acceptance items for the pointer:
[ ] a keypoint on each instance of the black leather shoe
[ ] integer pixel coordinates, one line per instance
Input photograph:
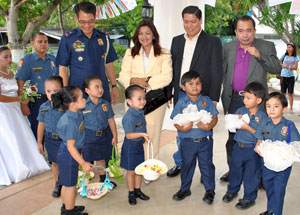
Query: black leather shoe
(225, 177)
(139, 194)
(228, 197)
(266, 213)
(77, 209)
(131, 198)
(244, 204)
(174, 171)
(57, 190)
(180, 195)
(209, 197)
(73, 212)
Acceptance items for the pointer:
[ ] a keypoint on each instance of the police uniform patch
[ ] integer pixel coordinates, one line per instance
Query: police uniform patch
(104, 107)
(21, 63)
(78, 46)
(37, 69)
(81, 126)
(139, 124)
(44, 111)
(86, 111)
(100, 42)
(204, 103)
(257, 119)
(284, 131)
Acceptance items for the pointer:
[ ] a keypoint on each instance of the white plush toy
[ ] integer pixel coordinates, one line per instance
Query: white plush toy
(191, 114)
(279, 155)
(232, 121)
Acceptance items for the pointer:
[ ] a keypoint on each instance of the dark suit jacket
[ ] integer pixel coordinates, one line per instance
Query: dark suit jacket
(207, 61)
(258, 68)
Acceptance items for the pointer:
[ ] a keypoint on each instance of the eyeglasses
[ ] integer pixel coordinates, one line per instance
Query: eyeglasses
(90, 22)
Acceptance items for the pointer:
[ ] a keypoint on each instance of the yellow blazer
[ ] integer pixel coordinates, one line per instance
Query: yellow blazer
(159, 68)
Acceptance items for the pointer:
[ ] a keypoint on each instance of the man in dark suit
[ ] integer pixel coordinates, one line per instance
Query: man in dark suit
(245, 60)
(195, 50)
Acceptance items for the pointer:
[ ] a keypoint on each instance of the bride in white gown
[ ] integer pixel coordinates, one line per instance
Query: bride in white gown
(19, 156)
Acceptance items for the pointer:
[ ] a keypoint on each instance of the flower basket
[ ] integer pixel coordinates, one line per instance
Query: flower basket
(93, 190)
(151, 169)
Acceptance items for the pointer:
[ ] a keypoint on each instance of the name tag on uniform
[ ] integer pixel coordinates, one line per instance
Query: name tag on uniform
(86, 111)
(37, 69)
(265, 132)
(139, 124)
(44, 111)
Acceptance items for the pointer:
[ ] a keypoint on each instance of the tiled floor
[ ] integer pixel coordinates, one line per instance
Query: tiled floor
(33, 196)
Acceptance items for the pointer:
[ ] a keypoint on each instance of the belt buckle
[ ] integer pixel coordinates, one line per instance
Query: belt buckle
(99, 133)
(241, 145)
(197, 140)
(54, 135)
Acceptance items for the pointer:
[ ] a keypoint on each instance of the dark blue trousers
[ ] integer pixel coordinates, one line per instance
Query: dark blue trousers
(191, 151)
(275, 185)
(34, 112)
(244, 168)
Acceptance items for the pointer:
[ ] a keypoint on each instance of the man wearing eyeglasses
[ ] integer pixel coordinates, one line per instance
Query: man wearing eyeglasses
(87, 51)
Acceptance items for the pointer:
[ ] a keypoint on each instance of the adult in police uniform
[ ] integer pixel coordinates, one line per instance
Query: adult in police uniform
(87, 51)
(36, 67)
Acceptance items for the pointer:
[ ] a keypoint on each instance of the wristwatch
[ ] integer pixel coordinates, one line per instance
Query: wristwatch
(114, 85)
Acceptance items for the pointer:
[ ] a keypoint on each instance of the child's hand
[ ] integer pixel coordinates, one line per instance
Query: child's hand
(114, 141)
(257, 150)
(25, 102)
(184, 128)
(41, 148)
(146, 136)
(202, 126)
(87, 167)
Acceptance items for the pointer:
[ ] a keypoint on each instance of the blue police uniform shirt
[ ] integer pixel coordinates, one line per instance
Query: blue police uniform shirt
(267, 130)
(202, 103)
(35, 69)
(96, 115)
(134, 121)
(71, 127)
(244, 136)
(49, 116)
(86, 57)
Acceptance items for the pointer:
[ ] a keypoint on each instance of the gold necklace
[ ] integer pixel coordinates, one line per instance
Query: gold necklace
(4, 72)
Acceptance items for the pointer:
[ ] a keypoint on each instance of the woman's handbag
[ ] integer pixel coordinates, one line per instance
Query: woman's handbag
(156, 98)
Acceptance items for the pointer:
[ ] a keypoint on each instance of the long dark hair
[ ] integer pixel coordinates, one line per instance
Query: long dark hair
(137, 45)
(294, 51)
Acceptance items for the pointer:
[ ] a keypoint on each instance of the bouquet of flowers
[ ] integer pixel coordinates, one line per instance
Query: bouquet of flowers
(29, 91)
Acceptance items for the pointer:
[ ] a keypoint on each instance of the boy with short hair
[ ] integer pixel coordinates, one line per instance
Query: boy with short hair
(245, 164)
(196, 143)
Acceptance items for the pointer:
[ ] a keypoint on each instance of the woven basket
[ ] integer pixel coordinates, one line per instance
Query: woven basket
(96, 186)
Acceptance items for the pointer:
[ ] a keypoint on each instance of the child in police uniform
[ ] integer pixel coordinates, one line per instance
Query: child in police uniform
(196, 143)
(46, 133)
(275, 128)
(132, 154)
(245, 165)
(70, 129)
(98, 115)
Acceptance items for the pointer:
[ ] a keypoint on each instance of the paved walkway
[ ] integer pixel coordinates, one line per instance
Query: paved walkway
(33, 196)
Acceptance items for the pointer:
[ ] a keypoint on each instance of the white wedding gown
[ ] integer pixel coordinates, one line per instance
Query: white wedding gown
(19, 156)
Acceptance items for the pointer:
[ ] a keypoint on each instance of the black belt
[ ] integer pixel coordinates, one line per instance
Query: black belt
(52, 135)
(245, 145)
(237, 93)
(197, 140)
(41, 96)
(97, 133)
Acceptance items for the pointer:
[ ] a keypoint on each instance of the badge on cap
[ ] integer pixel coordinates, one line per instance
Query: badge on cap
(284, 130)
(104, 107)
(100, 42)
(80, 58)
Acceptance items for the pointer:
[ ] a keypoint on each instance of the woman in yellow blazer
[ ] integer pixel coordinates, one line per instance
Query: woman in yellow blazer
(149, 66)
